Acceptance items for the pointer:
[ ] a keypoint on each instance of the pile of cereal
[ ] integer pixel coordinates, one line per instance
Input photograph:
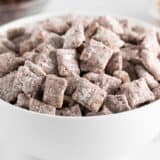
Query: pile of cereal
(80, 66)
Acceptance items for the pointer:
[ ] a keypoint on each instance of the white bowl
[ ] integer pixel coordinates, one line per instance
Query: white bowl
(77, 138)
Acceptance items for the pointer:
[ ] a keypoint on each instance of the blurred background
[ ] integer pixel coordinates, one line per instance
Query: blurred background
(143, 9)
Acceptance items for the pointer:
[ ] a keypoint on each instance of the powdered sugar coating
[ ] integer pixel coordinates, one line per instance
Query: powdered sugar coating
(76, 65)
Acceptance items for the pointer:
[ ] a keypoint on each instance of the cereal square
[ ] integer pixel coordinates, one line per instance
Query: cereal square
(27, 81)
(47, 61)
(74, 36)
(38, 106)
(56, 25)
(150, 42)
(9, 62)
(137, 92)
(95, 57)
(151, 63)
(89, 95)
(117, 103)
(54, 89)
(111, 23)
(109, 83)
(109, 38)
(67, 62)
(7, 92)
(143, 73)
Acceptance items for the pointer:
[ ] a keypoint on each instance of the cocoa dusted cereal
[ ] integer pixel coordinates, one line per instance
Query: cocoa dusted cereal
(76, 66)
(74, 36)
(9, 62)
(38, 106)
(137, 92)
(109, 38)
(89, 95)
(95, 57)
(117, 103)
(54, 89)
(67, 62)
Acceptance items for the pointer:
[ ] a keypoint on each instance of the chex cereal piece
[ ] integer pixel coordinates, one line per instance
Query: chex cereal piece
(54, 40)
(27, 81)
(91, 30)
(38, 106)
(95, 57)
(56, 25)
(91, 76)
(23, 101)
(15, 32)
(54, 89)
(122, 75)
(108, 83)
(70, 111)
(143, 73)
(150, 42)
(89, 95)
(115, 63)
(35, 69)
(137, 92)
(117, 103)
(156, 92)
(72, 82)
(111, 23)
(9, 62)
(131, 53)
(7, 92)
(67, 62)
(47, 61)
(38, 35)
(130, 69)
(103, 111)
(74, 37)
(151, 63)
(109, 38)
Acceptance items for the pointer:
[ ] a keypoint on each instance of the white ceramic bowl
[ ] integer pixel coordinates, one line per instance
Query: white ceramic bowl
(76, 138)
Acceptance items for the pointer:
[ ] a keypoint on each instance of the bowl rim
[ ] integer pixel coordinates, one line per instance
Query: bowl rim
(39, 17)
